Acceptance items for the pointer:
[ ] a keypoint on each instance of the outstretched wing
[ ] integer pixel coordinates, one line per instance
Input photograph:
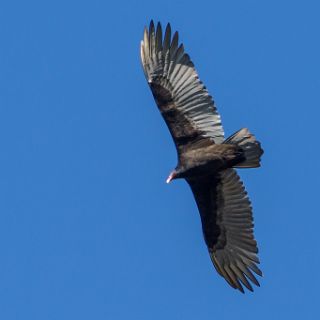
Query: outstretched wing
(183, 100)
(227, 224)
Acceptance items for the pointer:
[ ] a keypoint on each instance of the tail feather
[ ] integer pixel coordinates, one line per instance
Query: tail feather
(250, 146)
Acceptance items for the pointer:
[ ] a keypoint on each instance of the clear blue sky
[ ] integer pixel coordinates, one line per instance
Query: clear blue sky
(88, 227)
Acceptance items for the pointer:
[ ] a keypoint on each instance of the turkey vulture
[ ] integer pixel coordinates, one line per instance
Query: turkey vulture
(206, 160)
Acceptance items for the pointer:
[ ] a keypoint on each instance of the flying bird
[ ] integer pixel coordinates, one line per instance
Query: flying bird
(206, 160)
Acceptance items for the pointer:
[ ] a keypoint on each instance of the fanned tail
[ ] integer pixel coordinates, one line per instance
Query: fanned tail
(250, 146)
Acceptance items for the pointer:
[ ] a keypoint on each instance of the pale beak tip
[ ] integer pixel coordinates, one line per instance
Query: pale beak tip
(171, 177)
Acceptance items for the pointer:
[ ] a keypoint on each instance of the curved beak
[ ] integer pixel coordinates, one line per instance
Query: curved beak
(171, 177)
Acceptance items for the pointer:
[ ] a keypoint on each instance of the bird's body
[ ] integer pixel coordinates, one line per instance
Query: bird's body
(201, 160)
(205, 158)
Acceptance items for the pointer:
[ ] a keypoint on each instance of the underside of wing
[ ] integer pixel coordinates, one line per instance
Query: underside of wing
(227, 222)
(183, 100)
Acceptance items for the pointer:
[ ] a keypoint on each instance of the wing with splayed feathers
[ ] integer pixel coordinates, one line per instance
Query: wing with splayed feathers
(183, 100)
(227, 223)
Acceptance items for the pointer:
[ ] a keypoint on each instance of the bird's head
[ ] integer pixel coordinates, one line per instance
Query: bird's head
(175, 174)
(172, 175)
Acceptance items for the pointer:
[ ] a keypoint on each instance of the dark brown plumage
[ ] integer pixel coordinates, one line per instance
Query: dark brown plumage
(205, 158)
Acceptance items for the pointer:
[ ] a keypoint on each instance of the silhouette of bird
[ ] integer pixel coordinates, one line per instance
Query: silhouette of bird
(206, 160)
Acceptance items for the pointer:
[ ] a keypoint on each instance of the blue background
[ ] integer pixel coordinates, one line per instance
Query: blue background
(88, 227)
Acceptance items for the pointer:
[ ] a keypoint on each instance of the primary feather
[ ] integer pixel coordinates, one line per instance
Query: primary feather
(182, 98)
